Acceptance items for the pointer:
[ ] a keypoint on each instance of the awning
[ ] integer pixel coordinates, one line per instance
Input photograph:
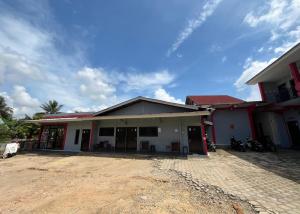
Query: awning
(120, 117)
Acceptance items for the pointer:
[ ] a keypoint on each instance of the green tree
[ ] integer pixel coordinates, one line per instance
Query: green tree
(5, 111)
(51, 107)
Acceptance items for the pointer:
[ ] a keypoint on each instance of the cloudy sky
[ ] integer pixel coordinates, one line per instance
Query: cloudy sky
(89, 55)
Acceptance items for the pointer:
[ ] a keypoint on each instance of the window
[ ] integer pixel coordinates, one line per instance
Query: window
(77, 136)
(148, 131)
(106, 132)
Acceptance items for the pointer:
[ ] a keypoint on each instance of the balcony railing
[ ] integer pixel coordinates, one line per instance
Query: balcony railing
(286, 94)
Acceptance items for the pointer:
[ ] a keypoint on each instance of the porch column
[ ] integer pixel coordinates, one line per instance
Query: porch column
(262, 91)
(65, 135)
(251, 121)
(214, 140)
(40, 135)
(203, 136)
(92, 136)
(296, 76)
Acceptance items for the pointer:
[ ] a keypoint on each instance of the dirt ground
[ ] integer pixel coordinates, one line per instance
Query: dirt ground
(56, 183)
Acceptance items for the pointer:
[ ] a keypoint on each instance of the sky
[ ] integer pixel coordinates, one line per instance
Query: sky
(89, 55)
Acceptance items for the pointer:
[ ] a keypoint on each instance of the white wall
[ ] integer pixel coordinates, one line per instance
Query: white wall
(230, 123)
(172, 129)
(71, 131)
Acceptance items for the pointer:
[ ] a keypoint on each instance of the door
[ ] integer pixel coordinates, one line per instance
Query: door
(293, 127)
(126, 139)
(85, 140)
(55, 138)
(120, 140)
(195, 139)
(131, 139)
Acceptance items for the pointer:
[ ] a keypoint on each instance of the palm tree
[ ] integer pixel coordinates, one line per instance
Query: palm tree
(5, 111)
(52, 107)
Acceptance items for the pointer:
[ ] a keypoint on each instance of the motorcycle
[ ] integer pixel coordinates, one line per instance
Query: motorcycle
(255, 145)
(269, 145)
(211, 146)
(237, 145)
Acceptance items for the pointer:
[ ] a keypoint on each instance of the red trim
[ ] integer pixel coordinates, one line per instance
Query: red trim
(262, 91)
(65, 135)
(68, 116)
(65, 125)
(92, 136)
(251, 121)
(296, 76)
(214, 139)
(203, 136)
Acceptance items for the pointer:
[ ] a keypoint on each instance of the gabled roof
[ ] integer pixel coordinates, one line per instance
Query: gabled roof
(140, 98)
(212, 100)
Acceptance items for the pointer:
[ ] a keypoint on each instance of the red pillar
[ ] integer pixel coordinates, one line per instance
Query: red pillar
(92, 136)
(262, 91)
(251, 121)
(296, 76)
(65, 135)
(203, 137)
(214, 140)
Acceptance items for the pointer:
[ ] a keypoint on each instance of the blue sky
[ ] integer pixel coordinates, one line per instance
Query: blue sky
(90, 55)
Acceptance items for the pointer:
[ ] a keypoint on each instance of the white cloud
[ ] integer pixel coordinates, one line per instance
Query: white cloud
(254, 94)
(146, 81)
(162, 94)
(251, 68)
(35, 63)
(207, 10)
(281, 19)
(21, 101)
(88, 109)
(96, 84)
(283, 13)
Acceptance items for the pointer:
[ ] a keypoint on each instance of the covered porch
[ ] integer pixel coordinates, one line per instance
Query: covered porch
(178, 133)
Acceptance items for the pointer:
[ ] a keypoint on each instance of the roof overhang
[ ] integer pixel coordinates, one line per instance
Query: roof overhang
(122, 117)
(276, 70)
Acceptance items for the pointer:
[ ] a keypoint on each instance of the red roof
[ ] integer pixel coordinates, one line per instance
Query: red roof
(212, 100)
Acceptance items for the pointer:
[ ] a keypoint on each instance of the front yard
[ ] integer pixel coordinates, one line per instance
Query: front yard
(90, 183)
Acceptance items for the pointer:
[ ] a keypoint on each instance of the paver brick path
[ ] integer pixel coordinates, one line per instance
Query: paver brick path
(271, 180)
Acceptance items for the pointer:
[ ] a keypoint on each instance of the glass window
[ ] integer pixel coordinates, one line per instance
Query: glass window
(106, 132)
(148, 131)
(77, 136)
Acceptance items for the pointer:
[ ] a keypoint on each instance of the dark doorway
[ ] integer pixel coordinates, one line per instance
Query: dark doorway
(85, 140)
(195, 139)
(126, 139)
(295, 133)
(52, 137)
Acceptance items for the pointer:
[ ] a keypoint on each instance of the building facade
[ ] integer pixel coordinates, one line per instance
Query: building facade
(278, 116)
(231, 117)
(137, 125)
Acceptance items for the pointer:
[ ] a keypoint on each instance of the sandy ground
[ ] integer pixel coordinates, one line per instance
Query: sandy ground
(54, 183)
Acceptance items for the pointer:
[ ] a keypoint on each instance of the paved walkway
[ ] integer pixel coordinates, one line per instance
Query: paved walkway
(271, 180)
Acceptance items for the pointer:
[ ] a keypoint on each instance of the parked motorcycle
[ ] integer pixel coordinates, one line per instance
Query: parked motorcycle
(255, 145)
(237, 145)
(211, 146)
(269, 145)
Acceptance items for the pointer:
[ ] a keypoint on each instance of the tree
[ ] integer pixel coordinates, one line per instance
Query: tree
(52, 107)
(5, 111)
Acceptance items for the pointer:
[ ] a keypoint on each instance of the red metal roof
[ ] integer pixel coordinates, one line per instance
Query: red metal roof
(212, 100)
(68, 115)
